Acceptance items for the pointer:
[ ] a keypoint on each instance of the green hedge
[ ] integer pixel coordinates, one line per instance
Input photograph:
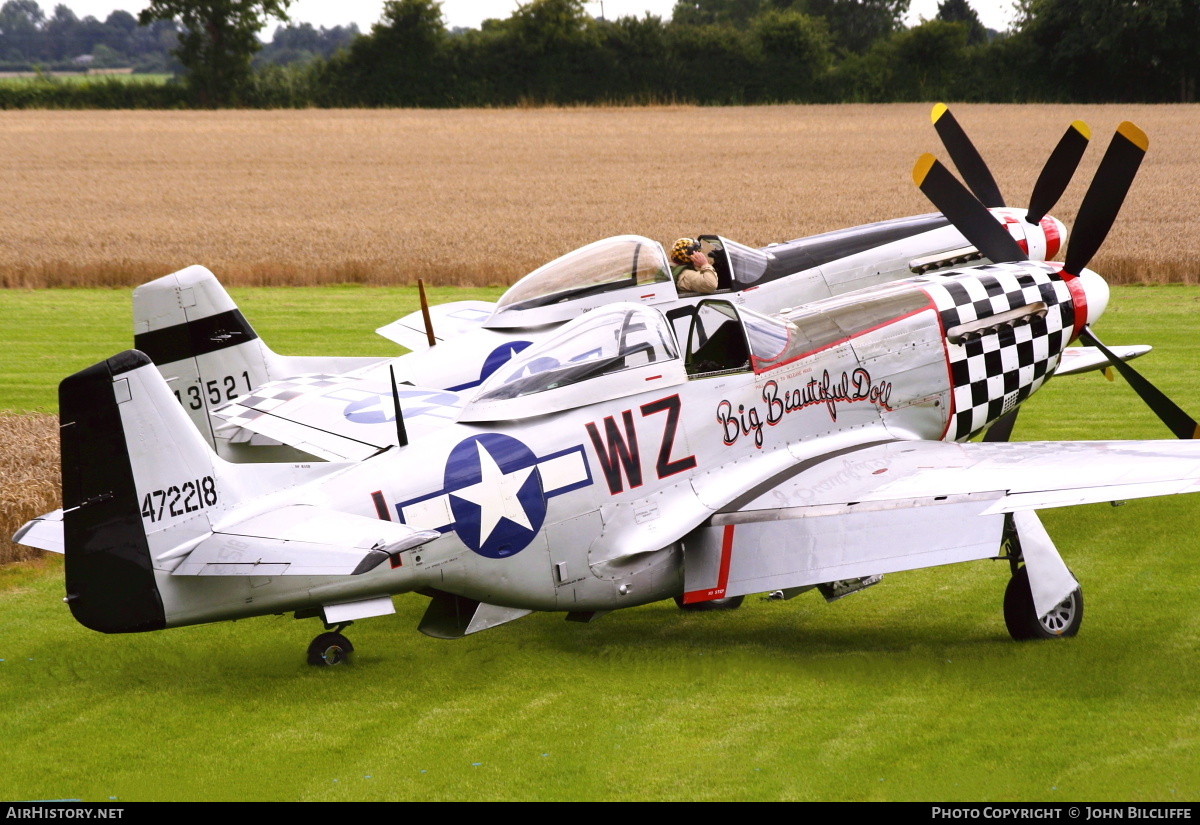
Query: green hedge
(98, 93)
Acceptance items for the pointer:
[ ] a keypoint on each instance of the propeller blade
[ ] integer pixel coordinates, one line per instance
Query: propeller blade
(1177, 421)
(970, 165)
(1105, 196)
(1059, 169)
(1002, 430)
(967, 214)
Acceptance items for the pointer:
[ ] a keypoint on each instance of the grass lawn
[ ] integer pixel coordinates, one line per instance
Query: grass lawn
(910, 690)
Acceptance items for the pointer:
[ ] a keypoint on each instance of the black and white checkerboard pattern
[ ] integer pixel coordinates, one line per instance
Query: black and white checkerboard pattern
(994, 373)
(270, 396)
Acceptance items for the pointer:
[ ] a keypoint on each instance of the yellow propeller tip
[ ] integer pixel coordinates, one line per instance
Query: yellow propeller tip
(1082, 128)
(924, 164)
(1108, 373)
(939, 109)
(1134, 135)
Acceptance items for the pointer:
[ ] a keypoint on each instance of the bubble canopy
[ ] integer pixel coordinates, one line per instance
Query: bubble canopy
(617, 350)
(623, 268)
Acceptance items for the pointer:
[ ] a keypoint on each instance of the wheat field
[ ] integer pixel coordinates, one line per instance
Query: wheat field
(479, 197)
(29, 475)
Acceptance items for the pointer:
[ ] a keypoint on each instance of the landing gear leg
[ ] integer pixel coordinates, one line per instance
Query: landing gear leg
(330, 648)
(1020, 616)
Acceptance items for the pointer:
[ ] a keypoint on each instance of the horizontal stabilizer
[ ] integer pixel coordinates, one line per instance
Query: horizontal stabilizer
(297, 540)
(44, 532)
(449, 321)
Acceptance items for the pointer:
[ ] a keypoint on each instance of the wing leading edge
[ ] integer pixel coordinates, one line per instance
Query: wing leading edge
(1010, 476)
(907, 505)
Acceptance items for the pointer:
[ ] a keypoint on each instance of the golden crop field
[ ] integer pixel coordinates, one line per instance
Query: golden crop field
(29, 476)
(483, 196)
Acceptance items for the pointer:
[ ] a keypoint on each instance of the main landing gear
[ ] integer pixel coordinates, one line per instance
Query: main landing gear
(330, 648)
(1020, 616)
(1022, 620)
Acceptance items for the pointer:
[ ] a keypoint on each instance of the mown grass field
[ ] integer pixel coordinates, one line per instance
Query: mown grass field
(908, 691)
(480, 197)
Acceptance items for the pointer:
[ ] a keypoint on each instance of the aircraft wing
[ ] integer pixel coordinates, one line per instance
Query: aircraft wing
(906, 505)
(1075, 360)
(334, 417)
(448, 320)
(297, 540)
(1013, 476)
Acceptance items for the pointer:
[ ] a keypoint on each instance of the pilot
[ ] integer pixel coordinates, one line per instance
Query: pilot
(692, 270)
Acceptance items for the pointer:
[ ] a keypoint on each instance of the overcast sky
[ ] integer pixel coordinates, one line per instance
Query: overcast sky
(995, 14)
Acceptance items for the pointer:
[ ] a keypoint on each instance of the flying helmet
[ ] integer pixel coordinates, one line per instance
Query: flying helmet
(681, 252)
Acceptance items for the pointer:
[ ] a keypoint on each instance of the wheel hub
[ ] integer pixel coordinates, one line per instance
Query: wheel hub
(1060, 617)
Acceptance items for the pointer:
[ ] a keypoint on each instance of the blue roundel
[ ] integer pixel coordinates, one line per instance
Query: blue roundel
(495, 494)
(381, 408)
(500, 356)
(376, 409)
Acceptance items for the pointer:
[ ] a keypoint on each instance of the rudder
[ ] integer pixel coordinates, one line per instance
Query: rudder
(109, 570)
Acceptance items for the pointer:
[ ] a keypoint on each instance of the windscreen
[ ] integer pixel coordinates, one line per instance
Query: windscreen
(605, 341)
(604, 266)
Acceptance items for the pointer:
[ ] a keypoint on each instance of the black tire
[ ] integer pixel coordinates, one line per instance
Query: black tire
(1021, 618)
(329, 649)
(732, 603)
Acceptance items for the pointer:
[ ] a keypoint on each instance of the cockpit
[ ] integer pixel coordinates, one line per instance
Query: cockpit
(738, 266)
(624, 268)
(616, 350)
(719, 338)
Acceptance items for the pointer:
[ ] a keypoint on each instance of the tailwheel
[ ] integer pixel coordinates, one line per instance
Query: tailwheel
(731, 603)
(329, 649)
(1021, 617)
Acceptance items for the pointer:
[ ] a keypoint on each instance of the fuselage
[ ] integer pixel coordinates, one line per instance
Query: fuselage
(581, 495)
(767, 280)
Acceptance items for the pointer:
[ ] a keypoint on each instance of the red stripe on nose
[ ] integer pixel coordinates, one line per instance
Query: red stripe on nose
(1053, 239)
(1078, 302)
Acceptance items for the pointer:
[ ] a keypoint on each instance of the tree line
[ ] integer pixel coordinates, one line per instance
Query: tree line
(31, 39)
(708, 52)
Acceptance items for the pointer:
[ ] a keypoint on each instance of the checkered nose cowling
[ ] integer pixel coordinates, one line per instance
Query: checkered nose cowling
(996, 368)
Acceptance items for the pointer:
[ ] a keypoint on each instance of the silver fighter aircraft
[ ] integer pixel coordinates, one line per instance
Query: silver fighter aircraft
(633, 455)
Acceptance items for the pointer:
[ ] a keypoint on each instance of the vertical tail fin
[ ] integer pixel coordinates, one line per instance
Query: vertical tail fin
(109, 571)
(142, 490)
(206, 349)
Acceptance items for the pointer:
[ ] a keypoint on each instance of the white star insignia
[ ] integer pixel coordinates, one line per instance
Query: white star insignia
(496, 495)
